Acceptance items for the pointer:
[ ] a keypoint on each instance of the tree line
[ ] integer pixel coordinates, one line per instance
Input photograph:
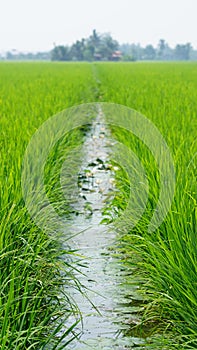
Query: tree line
(95, 48)
(102, 47)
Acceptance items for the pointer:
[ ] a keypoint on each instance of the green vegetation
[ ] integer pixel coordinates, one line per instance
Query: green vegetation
(34, 268)
(103, 47)
(167, 258)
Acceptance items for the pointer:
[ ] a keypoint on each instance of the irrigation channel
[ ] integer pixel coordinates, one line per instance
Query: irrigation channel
(114, 304)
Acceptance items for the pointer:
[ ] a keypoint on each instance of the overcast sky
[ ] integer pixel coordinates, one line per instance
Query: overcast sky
(32, 25)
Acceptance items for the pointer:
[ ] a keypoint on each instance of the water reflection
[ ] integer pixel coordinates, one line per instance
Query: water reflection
(107, 308)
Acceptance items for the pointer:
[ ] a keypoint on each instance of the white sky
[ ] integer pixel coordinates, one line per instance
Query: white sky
(32, 25)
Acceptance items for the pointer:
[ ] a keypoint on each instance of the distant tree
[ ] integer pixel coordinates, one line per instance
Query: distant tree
(164, 51)
(168, 53)
(107, 46)
(42, 56)
(126, 49)
(88, 54)
(161, 49)
(182, 52)
(77, 50)
(149, 52)
(131, 52)
(95, 38)
(128, 58)
(60, 53)
(137, 52)
(93, 44)
(193, 55)
(9, 55)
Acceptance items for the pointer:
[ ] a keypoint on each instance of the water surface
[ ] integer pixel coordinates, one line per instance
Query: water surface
(107, 308)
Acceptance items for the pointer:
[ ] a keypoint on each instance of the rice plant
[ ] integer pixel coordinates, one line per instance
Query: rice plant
(167, 258)
(36, 269)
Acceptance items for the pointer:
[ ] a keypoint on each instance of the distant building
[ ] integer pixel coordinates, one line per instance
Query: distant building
(116, 55)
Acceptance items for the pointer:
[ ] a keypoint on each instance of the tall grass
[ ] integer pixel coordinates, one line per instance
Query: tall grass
(35, 269)
(167, 258)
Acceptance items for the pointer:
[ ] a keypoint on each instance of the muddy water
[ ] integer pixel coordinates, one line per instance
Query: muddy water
(110, 311)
